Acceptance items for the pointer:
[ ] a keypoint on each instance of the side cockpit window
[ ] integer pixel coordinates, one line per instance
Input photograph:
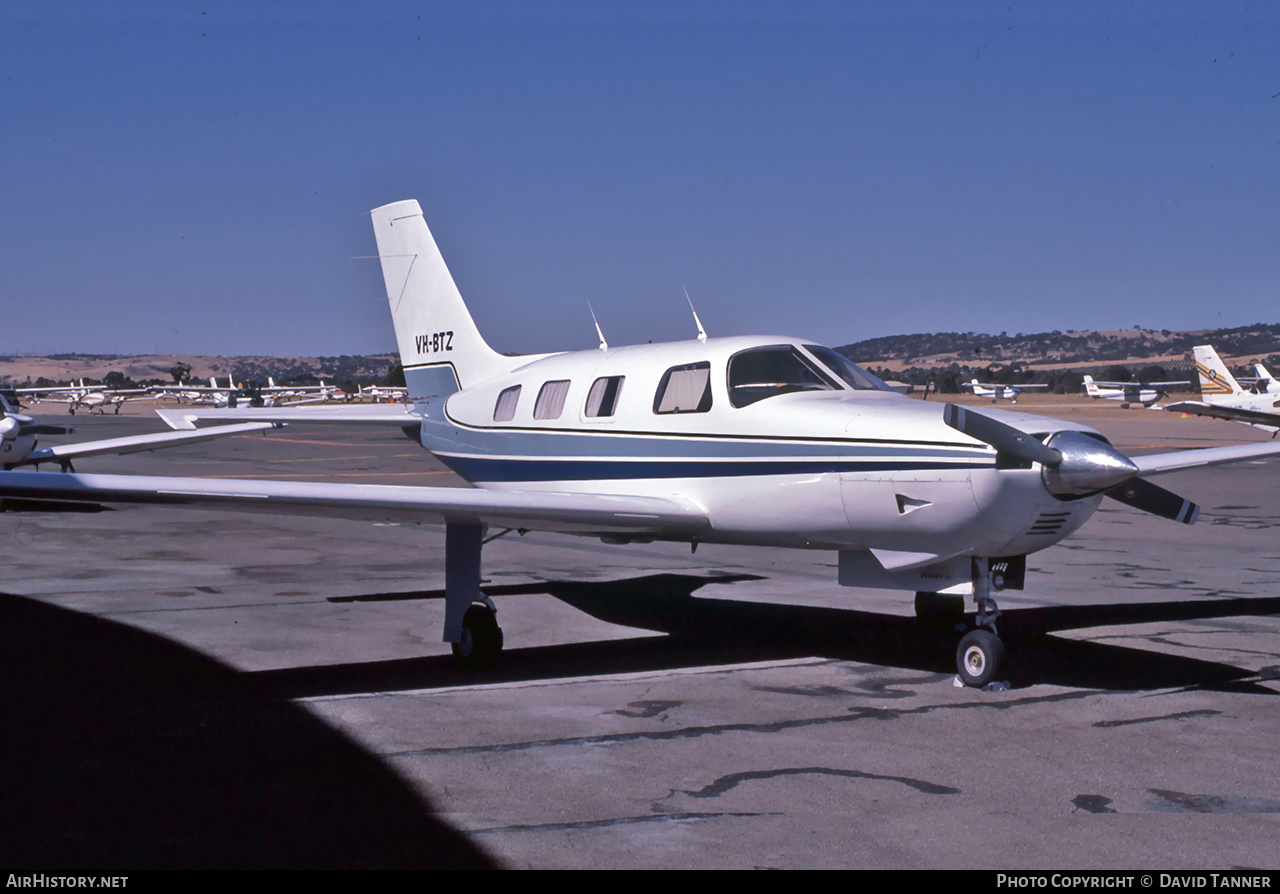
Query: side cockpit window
(505, 409)
(550, 402)
(684, 389)
(760, 373)
(602, 399)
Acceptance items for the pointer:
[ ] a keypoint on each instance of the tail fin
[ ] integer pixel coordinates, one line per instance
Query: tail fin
(1215, 380)
(440, 347)
(1090, 388)
(1266, 382)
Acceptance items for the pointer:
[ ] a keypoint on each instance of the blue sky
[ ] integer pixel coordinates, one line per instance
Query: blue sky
(196, 177)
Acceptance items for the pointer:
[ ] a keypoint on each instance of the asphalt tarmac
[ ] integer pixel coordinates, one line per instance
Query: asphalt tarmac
(198, 689)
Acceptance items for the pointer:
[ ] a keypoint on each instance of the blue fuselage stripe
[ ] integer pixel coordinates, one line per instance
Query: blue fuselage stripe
(506, 469)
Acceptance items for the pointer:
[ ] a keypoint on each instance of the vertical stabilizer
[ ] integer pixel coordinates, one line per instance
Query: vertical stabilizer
(440, 347)
(1216, 381)
(1090, 387)
(1267, 383)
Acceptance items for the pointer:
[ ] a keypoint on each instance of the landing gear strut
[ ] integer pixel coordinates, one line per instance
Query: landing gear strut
(980, 657)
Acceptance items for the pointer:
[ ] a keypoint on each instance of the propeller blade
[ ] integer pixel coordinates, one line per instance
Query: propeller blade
(1005, 438)
(1142, 494)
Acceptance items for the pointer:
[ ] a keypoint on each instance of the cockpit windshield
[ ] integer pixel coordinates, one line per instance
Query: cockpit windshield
(853, 375)
(759, 373)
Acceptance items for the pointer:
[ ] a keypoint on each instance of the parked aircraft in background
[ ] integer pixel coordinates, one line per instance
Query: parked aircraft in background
(1263, 382)
(93, 398)
(386, 393)
(1222, 397)
(752, 440)
(998, 392)
(1128, 392)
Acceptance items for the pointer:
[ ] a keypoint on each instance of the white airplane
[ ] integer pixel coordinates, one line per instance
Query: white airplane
(87, 397)
(19, 445)
(998, 392)
(753, 440)
(388, 393)
(1128, 392)
(1222, 397)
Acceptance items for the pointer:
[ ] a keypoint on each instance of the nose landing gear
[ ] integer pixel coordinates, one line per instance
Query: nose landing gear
(980, 656)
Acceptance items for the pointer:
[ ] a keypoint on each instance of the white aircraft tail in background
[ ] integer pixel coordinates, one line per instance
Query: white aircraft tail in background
(1216, 381)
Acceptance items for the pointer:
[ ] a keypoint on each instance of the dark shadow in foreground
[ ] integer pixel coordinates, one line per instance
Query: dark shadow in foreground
(122, 749)
(701, 632)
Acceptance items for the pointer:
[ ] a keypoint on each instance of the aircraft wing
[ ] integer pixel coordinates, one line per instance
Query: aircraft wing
(380, 414)
(138, 443)
(605, 514)
(1157, 463)
(1235, 414)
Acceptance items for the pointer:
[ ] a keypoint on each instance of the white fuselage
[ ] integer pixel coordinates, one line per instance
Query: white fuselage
(835, 467)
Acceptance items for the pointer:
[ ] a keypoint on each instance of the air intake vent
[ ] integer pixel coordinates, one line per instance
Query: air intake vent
(1049, 523)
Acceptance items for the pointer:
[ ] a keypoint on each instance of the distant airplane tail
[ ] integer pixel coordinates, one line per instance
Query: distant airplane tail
(441, 348)
(1216, 381)
(1266, 382)
(1090, 388)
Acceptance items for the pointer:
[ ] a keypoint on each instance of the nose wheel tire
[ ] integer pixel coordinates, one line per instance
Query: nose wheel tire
(481, 640)
(979, 657)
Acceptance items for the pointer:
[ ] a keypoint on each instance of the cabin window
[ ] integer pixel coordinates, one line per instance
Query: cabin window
(684, 389)
(602, 399)
(550, 402)
(767, 372)
(505, 409)
(853, 375)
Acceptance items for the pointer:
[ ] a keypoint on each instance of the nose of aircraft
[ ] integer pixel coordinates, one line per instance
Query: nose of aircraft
(1075, 464)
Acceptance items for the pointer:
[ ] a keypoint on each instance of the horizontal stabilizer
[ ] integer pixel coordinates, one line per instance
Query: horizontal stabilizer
(138, 443)
(342, 414)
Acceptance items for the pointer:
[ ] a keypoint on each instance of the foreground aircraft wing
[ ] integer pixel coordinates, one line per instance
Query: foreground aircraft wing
(381, 414)
(568, 513)
(1158, 463)
(138, 443)
(1235, 414)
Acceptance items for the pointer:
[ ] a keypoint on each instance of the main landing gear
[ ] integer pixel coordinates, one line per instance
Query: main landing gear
(470, 621)
(481, 640)
(980, 655)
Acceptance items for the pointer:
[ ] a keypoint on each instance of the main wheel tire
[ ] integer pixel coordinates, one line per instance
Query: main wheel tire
(938, 611)
(481, 639)
(979, 657)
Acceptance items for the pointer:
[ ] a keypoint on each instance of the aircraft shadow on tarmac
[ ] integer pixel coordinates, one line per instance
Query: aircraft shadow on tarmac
(698, 632)
(125, 750)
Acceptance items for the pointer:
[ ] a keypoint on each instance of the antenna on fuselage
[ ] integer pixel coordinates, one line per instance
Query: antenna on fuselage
(702, 333)
(604, 345)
